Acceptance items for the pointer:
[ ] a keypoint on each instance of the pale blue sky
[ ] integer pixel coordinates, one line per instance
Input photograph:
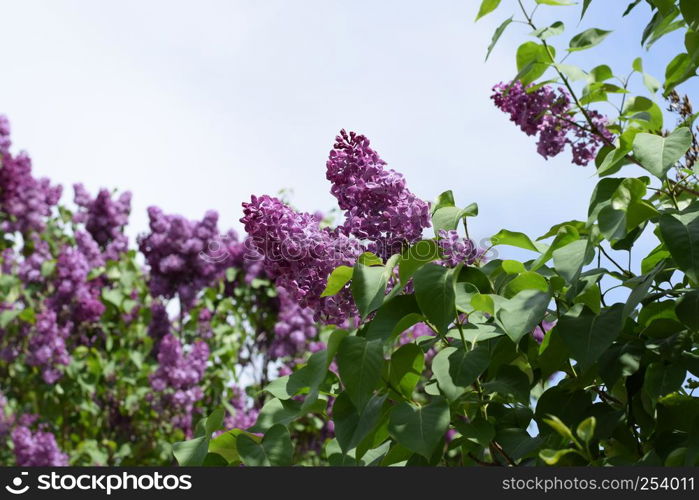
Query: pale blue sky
(196, 105)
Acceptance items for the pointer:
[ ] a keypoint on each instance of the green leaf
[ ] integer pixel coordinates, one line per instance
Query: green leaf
(434, 291)
(360, 363)
(497, 34)
(475, 277)
(440, 368)
(586, 5)
(680, 232)
(113, 296)
(276, 411)
(513, 267)
(690, 13)
(620, 207)
(687, 309)
(445, 199)
(679, 70)
(337, 280)
(520, 314)
(225, 445)
(520, 240)
(393, 317)
(640, 289)
(6, 317)
(405, 369)
(601, 73)
(448, 218)
(658, 154)
(368, 287)
(420, 429)
(275, 449)
(588, 335)
(555, 29)
(310, 377)
(533, 60)
(415, 257)
(561, 428)
(663, 379)
(509, 382)
(191, 453)
(552, 457)
(487, 6)
(613, 161)
(208, 425)
(352, 426)
(587, 39)
(466, 366)
(569, 259)
(528, 280)
(644, 112)
(586, 429)
(574, 73)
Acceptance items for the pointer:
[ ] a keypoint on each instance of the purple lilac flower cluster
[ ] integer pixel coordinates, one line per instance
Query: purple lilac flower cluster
(47, 346)
(378, 206)
(37, 448)
(456, 249)
(175, 250)
(76, 298)
(294, 329)
(24, 198)
(548, 113)
(159, 325)
(300, 255)
(105, 219)
(30, 266)
(177, 379)
(245, 414)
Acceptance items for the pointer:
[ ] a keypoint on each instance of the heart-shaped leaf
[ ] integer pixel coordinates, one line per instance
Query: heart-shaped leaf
(658, 154)
(275, 449)
(420, 429)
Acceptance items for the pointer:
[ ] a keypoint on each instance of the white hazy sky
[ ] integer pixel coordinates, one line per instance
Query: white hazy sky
(196, 105)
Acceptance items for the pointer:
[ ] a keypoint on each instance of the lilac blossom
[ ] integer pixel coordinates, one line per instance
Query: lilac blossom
(177, 379)
(105, 219)
(378, 206)
(456, 249)
(159, 325)
(294, 329)
(26, 199)
(37, 449)
(47, 345)
(30, 266)
(76, 298)
(548, 113)
(300, 255)
(175, 250)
